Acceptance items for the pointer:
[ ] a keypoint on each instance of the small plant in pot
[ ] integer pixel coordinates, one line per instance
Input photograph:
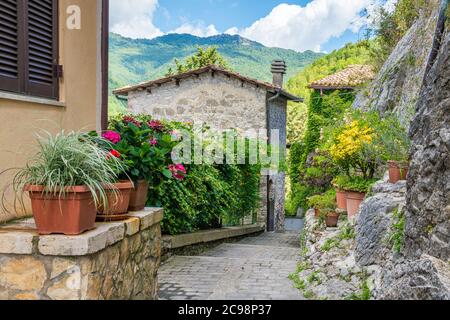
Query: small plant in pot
(322, 201)
(396, 145)
(66, 182)
(118, 193)
(339, 184)
(356, 188)
(331, 217)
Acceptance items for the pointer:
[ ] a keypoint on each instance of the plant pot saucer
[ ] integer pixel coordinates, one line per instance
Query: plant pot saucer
(110, 218)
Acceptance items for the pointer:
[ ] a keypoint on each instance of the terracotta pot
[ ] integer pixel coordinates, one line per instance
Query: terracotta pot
(354, 200)
(316, 213)
(118, 196)
(72, 214)
(397, 171)
(341, 199)
(138, 196)
(332, 220)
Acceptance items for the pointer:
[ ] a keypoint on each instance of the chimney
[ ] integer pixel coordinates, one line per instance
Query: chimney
(278, 71)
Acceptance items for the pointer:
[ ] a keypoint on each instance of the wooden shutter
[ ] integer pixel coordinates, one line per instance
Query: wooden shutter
(42, 49)
(10, 64)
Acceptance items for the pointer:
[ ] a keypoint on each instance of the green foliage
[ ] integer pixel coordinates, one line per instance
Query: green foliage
(347, 232)
(358, 53)
(397, 235)
(67, 160)
(202, 58)
(393, 26)
(330, 244)
(208, 197)
(365, 293)
(323, 201)
(358, 184)
(136, 60)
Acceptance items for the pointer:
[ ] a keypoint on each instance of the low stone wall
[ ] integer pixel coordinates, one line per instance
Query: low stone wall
(116, 261)
(193, 243)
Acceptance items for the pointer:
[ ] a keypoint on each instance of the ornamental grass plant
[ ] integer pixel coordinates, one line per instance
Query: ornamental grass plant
(67, 160)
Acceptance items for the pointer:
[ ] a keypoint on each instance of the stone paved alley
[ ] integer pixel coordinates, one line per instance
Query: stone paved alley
(255, 268)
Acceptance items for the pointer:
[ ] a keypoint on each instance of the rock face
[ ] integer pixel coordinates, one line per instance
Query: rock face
(397, 86)
(374, 223)
(428, 202)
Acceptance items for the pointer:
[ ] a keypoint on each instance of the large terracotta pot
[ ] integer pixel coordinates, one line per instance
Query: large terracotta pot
(397, 171)
(138, 197)
(332, 220)
(354, 200)
(118, 196)
(71, 214)
(341, 199)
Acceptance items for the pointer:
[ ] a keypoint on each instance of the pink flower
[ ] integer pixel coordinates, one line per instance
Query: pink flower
(112, 136)
(153, 142)
(156, 125)
(178, 171)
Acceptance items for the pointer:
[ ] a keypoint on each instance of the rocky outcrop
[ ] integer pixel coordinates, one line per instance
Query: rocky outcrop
(375, 221)
(397, 86)
(428, 202)
(427, 278)
(328, 269)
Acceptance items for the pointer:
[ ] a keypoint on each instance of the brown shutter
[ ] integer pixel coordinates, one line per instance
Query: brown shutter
(42, 49)
(10, 67)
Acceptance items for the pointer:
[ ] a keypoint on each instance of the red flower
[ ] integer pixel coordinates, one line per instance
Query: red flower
(113, 153)
(156, 125)
(129, 119)
(178, 171)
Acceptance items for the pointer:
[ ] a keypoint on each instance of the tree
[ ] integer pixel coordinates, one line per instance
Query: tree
(202, 58)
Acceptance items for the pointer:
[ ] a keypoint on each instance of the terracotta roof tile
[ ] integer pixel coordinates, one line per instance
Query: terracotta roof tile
(349, 78)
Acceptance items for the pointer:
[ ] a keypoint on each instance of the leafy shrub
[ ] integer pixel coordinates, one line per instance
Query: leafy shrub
(323, 201)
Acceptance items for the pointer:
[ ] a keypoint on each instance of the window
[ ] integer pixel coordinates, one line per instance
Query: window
(29, 47)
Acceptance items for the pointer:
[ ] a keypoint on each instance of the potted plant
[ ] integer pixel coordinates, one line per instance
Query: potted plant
(322, 202)
(119, 193)
(65, 181)
(356, 189)
(331, 217)
(339, 183)
(396, 145)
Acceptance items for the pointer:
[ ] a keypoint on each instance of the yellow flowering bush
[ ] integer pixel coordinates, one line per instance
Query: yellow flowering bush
(351, 141)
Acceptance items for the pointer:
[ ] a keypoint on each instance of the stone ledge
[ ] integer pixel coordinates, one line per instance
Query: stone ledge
(21, 238)
(184, 240)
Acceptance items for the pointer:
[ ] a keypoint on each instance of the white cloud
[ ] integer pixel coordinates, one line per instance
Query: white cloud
(134, 18)
(307, 28)
(197, 29)
(232, 31)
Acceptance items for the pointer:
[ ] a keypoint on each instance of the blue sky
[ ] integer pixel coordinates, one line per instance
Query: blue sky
(319, 25)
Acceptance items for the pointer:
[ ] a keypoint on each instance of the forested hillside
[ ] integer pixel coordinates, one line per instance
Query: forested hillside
(136, 60)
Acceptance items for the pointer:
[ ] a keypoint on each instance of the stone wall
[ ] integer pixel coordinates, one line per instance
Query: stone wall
(219, 101)
(116, 261)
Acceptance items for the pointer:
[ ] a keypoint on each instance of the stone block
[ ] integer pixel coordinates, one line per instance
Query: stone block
(16, 242)
(149, 217)
(22, 273)
(87, 243)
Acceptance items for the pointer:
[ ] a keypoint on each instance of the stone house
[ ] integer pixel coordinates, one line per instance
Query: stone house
(223, 100)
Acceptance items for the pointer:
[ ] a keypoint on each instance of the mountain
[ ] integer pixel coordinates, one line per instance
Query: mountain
(136, 60)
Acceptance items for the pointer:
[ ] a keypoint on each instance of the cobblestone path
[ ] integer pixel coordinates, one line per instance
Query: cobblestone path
(255, 268)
